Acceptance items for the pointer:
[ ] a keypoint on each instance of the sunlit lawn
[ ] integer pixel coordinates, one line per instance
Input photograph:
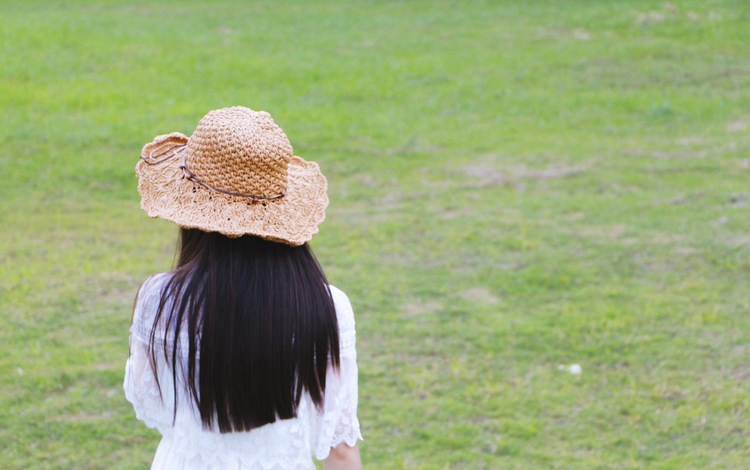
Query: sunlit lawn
(515, 186)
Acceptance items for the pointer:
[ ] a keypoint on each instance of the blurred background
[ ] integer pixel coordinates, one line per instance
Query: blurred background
(539, 210)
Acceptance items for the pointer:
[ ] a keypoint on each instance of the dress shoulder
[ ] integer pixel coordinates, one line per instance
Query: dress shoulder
(344, 310)
(146, 305)
(345, 318)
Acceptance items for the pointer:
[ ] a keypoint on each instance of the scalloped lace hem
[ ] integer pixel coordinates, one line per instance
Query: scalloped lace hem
(351, 441)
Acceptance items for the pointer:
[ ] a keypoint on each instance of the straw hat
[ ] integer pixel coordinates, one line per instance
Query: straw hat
(235, 175)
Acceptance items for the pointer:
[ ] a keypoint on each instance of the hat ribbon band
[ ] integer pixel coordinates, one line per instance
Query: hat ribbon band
(192, 177)
(151, 157)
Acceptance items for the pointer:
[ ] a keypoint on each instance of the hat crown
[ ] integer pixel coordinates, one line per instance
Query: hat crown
(241, 151)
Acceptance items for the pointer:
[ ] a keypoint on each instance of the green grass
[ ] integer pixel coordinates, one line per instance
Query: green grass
(514, 186)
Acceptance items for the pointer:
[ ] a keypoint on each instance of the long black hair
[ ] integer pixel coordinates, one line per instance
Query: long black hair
(261, 325)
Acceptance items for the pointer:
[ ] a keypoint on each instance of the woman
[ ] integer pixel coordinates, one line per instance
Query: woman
(243, 357)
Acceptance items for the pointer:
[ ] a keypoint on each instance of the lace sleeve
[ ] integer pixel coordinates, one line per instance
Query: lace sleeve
(338, 421)
(140, 385)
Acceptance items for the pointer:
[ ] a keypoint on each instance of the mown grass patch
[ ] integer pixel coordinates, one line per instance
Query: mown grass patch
(514, 187)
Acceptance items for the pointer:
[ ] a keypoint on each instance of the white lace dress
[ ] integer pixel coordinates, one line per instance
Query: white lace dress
(282, 445)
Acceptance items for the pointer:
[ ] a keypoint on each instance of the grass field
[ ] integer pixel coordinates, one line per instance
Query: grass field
(515, 186)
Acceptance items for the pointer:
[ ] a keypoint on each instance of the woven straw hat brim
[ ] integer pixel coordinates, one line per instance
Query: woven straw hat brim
(292, 219)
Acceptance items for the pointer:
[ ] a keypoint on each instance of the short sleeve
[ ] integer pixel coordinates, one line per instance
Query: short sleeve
(140, 386)
(338, 422)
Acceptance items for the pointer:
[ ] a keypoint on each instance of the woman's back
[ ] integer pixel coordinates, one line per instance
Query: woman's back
(242, 356)
(186, 445)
